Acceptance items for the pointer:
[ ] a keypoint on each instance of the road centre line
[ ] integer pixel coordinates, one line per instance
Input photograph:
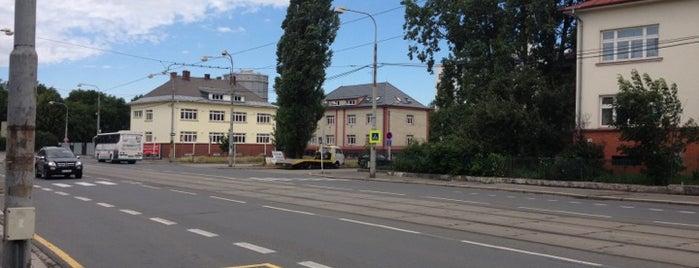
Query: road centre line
(686, 212)
(82, 183)
(182, 192)
(105, 205)
(255, 248)
(566, 212)
(105, 182)
(83, 198)
(677, 223)
(290, 210)
(626, 207)
(131, 212)
(532, 253)
(163, 221)
(311, 264)
(61, 193)
(150, 187)
(457, 200)
(47, 189)
(380, 226)
(62, 185)
(380, 192)
(656, 209)
(202, 232)
(330, 187)
(226, 199)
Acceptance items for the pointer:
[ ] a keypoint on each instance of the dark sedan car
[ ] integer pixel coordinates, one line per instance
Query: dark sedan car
(381, 160)
(57, 161)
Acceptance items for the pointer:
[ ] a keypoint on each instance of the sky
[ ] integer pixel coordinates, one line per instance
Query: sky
(114, 45)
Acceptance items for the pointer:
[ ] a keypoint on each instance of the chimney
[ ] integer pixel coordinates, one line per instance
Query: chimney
(185, 75)
(207, 76)
(173, 75)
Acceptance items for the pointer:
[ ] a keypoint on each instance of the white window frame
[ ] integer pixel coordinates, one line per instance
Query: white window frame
(330, 119)
(351, 139)
(262, 138)
(188, 114)
(240, 117)
(351, 102)
(149, 115)
(218, 116)
(410, 119)
(188, 136)
(148, 137)
(368, 118)
(239, 137)
(264, 118)
(330, 139)
(627, 44)
(606, 107)
(351, 119)
(409, 139)
(216, 137)
(138, 114)
(215, 96)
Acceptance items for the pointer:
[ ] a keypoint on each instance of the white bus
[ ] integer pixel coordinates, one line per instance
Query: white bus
(119, 146)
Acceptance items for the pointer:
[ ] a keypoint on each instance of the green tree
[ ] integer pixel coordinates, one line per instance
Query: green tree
(50, 119)
(649, 117)
(303, 53)
(507, 83)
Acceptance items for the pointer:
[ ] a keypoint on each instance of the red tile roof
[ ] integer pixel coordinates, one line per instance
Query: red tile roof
(597, 3)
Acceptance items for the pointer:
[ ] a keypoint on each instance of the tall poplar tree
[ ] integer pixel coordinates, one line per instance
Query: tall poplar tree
(507, 85)
(303, 54)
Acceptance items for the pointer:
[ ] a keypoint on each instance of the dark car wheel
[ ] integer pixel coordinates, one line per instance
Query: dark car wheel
(78, 175)
(36, 172)
(46, 175)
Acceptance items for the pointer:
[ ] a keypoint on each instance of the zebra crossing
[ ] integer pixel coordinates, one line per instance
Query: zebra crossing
(81, 183)
(277, 179)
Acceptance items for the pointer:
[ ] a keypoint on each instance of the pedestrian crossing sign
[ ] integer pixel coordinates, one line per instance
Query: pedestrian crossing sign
(375, 136)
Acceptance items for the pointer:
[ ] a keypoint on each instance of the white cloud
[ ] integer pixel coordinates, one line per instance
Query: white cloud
(223, 29)
(90, 23)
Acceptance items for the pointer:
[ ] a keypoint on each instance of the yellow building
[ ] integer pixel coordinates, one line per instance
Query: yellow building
(189, 115)
(348, 114)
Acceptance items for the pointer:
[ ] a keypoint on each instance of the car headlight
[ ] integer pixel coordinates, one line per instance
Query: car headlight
(78, 163)
(52, 164)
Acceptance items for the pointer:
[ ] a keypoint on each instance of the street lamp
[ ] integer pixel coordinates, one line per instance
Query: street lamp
(65, 133)
(231, 140)
(7, 31)
(98, 104)
(372, 156)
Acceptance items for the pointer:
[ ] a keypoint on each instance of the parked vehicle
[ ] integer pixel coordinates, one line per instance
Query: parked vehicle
(52, 160)
(332, 157)
(381, 160)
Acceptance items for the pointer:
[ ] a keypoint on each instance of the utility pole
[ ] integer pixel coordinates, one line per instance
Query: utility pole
(21, 115)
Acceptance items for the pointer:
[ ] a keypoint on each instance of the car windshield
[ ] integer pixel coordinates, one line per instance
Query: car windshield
(59, 154)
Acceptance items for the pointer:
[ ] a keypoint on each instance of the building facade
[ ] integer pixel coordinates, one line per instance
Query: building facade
(348, 116)
(190, 115)
(618, 36)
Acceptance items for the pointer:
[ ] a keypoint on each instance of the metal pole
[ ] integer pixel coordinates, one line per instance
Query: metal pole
(65, 129)
(372, 156)
(231, 140)
(172, 119)
(21, 116)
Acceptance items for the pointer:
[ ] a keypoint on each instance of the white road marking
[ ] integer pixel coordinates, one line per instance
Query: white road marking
(82, 183)
(574, 202)
(290, 210)
(106, 182)
(380, 192)
(380, 226)
(330, 187)
(532, 253)
(83, 198)
(163, 221)
(474, 193)
(62, 185)
(567, 212)
(531, 198)
(151, 187)
(47, 189)
(311, 264)
(457, 200)
(202, 232)
(656, 209)
(686, 212)
(131, 212)
(226, 199)
(105, 205)
(182, 192)
(255, 248)
(600, 204)
(552, 200)
(626, 207)
(677, 223)
(492, 195)
(62, 193)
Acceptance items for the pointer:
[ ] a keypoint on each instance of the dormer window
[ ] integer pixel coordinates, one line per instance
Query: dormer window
(334, 103)
(351, 102)
(217, 96)
(239, 98)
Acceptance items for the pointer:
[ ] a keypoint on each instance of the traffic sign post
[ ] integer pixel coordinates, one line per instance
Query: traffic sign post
(389, 135)
(375, 136)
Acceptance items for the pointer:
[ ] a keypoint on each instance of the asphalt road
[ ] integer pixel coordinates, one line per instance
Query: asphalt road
(168, 215)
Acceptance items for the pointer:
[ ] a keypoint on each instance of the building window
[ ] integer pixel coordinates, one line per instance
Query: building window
(138, 114)
(239, 137)
(368, 118)
(410, 119)
(264, 118)
(351, 102)
(217, 115)
(334, 103)
(351, 139)
(240, 117)
(217, 96)
(188, 136)
(188, 114)
(630, 43)
(329, 139)
(262, 138)
(409, 139)
(149, 136)
(607, 110)
(149, 115)
(216, 137)
(238, 98)
(351, 119)
(331, 119)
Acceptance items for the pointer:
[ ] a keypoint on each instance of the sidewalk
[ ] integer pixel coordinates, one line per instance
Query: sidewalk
(586, 193)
